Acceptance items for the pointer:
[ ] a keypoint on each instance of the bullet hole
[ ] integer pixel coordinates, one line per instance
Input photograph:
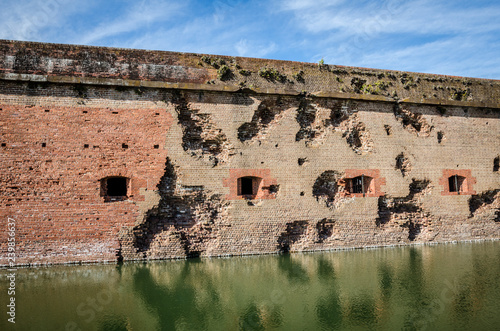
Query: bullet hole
(44, 144)
(85, 112)
(496, 164)
(47, 110)
(31, 168)
(440, 136)
(4, 144)
(262, 162)
(115, 112)
(125, 146)
(302, 193)
(302, 160)
(86, 146)
(274, 188)
(277, 144)
(95, 146)
(156, 146)
(388, 129)
(156, 114)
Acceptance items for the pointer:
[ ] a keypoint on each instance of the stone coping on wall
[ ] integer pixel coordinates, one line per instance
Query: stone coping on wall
(216, 88)
(74, 64)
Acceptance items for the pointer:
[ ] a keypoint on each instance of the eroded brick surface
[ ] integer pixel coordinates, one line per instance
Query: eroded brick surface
(182, 149)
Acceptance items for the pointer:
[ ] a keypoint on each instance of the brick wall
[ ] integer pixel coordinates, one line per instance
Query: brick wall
(183, 148)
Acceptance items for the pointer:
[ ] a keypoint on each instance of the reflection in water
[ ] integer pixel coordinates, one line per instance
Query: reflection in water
(444, 287)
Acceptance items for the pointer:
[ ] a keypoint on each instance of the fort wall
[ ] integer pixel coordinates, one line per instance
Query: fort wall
(114, 154)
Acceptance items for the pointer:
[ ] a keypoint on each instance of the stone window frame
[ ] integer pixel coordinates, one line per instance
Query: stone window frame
(466, 187)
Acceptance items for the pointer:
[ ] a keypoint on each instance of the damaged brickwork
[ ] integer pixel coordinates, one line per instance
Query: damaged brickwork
(184, 224)
(413, 122)
(484, 203)
(268, 112)
(298, 235)
(326, 189)
(115, 155)
(403, 164)
(407, 212)
(200, 136)
(316, 120)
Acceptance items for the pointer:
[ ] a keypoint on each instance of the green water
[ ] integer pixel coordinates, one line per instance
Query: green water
(442, 287)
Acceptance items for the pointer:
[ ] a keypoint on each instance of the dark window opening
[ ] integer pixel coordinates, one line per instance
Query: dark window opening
(360, 184)
(357, 185)
(114, 188)
(456, 183)
(246, 186)
(249, 186)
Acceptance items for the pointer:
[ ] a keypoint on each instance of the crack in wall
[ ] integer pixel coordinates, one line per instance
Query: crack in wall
(200, 135)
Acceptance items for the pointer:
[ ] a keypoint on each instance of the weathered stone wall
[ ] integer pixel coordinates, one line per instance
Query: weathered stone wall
(183, 130)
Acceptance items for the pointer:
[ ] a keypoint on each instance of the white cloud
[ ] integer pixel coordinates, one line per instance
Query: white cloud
(393, 16)
(136, 17)
(28, 19)
(254, 49)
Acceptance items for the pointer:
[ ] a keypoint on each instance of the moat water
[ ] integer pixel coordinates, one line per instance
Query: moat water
(441, 287)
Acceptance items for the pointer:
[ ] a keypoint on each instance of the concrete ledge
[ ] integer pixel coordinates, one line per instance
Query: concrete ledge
(228, 88)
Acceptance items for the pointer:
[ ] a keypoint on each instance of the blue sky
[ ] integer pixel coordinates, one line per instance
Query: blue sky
(458, 37)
